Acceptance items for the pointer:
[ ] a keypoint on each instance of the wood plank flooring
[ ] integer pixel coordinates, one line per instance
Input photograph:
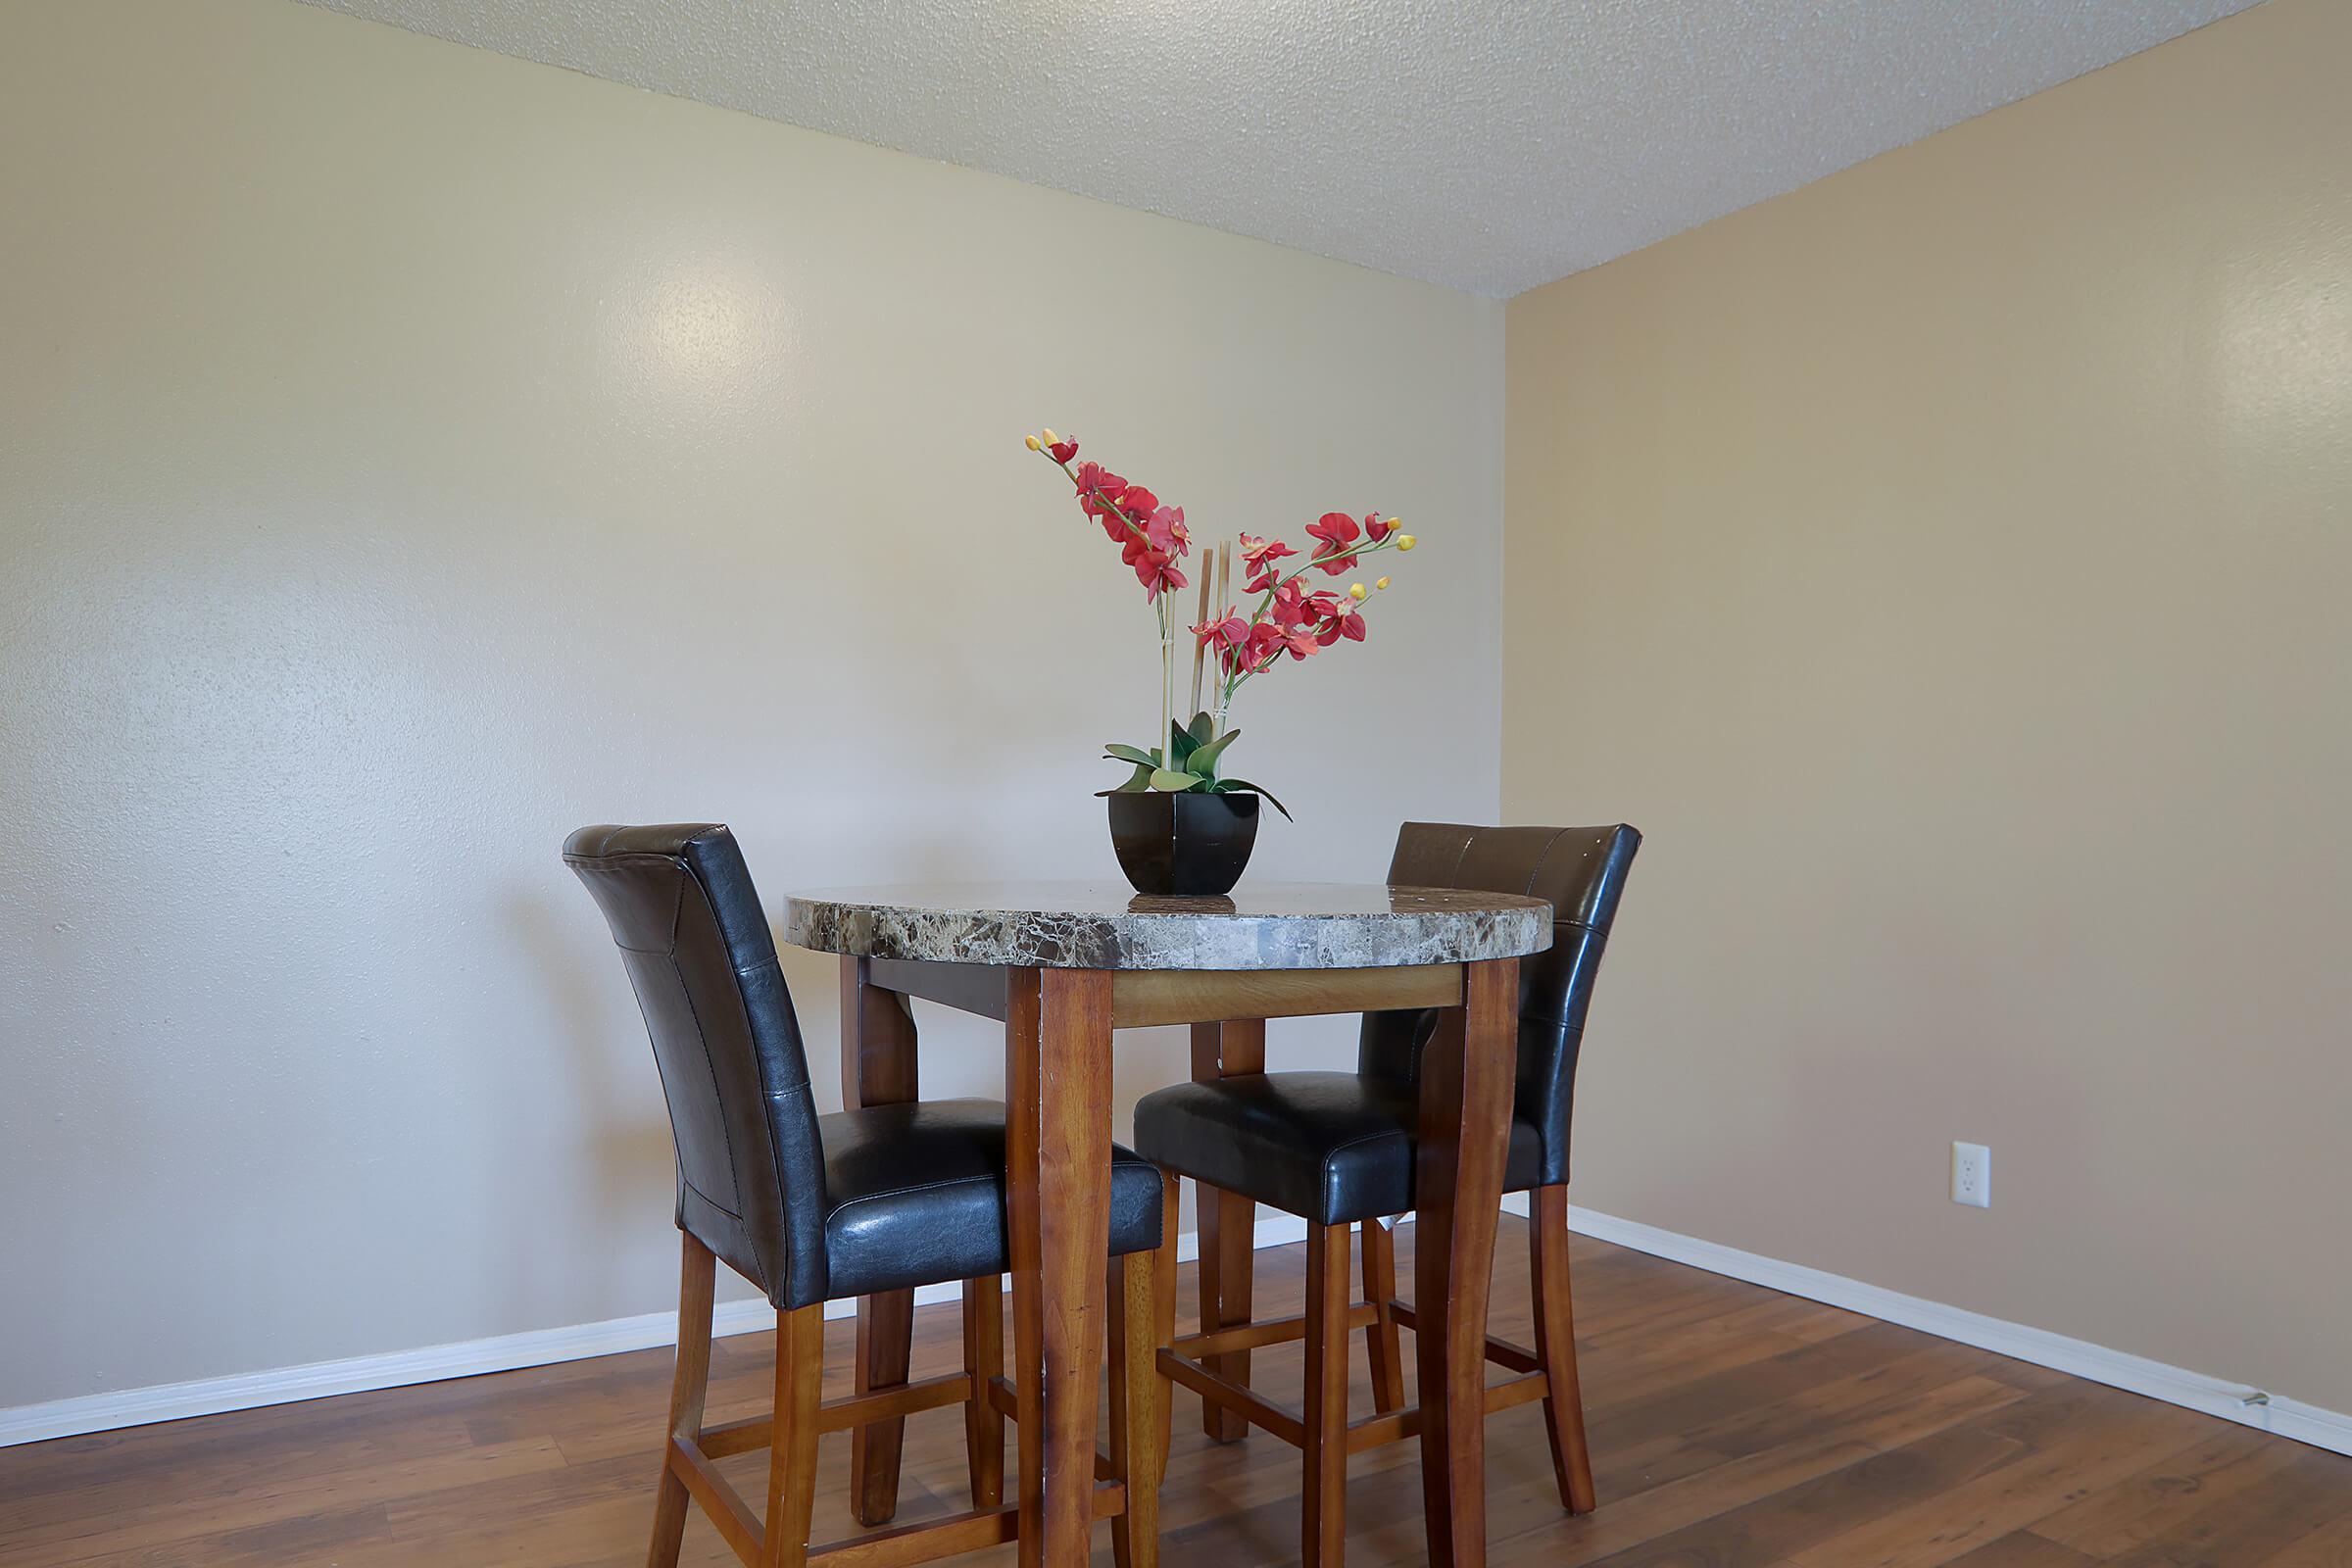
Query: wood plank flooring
(1732, 1428)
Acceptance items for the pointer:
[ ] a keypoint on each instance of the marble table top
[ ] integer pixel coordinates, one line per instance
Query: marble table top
(1103, 925)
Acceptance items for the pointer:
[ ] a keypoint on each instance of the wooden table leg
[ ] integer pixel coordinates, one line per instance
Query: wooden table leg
(1466, 1085)
(1058, 1158)
(877, 1068)
(1227, 1222)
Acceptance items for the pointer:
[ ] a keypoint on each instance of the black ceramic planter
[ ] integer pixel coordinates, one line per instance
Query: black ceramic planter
(1182, 844)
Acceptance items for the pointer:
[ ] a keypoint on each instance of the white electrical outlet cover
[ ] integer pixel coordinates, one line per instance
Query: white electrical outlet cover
(1972, 1175)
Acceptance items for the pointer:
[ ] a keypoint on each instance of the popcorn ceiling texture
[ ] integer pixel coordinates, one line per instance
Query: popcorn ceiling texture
(1489, 146)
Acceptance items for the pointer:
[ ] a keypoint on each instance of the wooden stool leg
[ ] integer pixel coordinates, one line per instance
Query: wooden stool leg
(1228, 1222)
(1323, 1495)
(1163, 1319)
(1138, 1450)
(1228, 1225)
(884, 1348)
(792, 1455)
(1379, 1334)
(1555, 1348)
(696, 1276)
(984, 1359)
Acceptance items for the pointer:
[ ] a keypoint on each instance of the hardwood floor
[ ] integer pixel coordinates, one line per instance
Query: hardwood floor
(1731, 1428)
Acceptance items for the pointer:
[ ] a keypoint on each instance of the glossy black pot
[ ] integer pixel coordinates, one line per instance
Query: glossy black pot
(1182, 844)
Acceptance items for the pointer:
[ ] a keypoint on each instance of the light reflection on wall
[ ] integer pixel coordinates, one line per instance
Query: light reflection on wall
(700, 324)
(2284, 354)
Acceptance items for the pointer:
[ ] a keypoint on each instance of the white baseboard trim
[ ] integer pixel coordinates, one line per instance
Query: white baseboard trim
(2194, 1391)
(174, 1401)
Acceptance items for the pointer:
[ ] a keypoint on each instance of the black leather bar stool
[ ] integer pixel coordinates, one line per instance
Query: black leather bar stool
(813, 1208)
(1337, 1149)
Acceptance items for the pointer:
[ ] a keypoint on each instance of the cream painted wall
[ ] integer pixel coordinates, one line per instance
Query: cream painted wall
(408, 455)
(1947, 565)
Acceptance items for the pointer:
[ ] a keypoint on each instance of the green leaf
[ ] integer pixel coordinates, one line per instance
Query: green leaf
(1137, 782)
(1204, 761)
(1176, 783)
(1132, 753)
(1201, 728)
(1180, 741)
(1241, 786)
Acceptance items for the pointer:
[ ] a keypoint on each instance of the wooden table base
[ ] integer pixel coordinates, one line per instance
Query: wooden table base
(878, 1067)
(1058, 1029)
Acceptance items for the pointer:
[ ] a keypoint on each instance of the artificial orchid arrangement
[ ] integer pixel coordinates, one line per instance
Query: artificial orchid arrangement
(1288, 617)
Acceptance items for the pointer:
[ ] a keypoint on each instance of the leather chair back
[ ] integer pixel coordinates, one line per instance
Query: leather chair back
(1581, 870)
(699, 955)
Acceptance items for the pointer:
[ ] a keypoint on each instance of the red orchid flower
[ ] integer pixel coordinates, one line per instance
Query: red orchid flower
(1155, 569)
(1157, 573)
(1289, 606)
(1267, 643)
(1350, 626)
(1291, 619)
(1295, 607)
(1239, 644)
(1258, 557)
(1228, 631)
(1337, 531)
(1118, 510)
(1164, 528)
(1101, 493)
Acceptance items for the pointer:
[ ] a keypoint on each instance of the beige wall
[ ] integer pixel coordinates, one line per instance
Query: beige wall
(408, 455)
(1947, 565)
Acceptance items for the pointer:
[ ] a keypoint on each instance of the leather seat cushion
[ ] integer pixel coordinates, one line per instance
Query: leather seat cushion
(915, 1196)
(1331, 1147)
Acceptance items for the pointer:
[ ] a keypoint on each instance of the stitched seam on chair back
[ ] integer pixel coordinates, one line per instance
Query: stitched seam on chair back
(726, 1134)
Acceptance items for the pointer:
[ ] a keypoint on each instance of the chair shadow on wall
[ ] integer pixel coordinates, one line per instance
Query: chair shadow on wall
(625, 1162)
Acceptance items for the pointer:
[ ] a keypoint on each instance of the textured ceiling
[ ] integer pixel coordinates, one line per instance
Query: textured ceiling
(1488, 145)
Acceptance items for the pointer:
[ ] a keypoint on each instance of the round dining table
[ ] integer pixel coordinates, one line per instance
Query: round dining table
(1061, 966)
